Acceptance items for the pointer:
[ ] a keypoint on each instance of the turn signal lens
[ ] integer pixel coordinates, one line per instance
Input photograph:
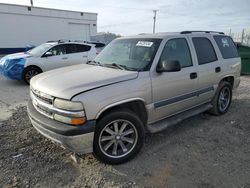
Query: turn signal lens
(78, 121)
(70, 120)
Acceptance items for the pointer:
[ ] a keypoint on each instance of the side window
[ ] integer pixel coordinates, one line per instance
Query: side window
(77, 48)
(204, 50)
(58, 50)
(226, 46)
(83, 48)
(177, 49)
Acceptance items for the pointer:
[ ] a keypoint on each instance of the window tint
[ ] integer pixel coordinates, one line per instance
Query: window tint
(177, 49)
(226, 46)
(77, 48)
(204, 50)
(84, 48)
(58, 50)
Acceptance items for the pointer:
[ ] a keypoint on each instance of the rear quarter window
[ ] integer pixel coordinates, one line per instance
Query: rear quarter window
(77, 48)
(204, 50)
(227, 47)
(84, 48)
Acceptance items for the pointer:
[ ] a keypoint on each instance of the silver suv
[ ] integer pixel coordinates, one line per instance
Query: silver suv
(137, 84)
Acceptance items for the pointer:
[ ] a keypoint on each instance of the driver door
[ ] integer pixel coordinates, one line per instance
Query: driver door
(174, 92)
(58, 59)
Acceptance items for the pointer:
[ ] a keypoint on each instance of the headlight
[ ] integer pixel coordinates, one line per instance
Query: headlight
(68, 105)
(70, 108)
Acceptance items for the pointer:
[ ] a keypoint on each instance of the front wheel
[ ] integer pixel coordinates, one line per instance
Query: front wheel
(222, 99)
(29, 73)
(119, 136)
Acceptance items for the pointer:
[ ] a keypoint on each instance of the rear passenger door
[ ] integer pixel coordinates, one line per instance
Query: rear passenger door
(209, 68)
(174, 92)
(77, 53)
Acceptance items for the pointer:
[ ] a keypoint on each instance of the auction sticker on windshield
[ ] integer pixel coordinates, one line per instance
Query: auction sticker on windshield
(144, 43)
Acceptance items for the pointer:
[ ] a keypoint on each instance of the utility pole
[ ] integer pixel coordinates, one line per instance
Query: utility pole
(154, 11)
(242, 36)
(31, 2)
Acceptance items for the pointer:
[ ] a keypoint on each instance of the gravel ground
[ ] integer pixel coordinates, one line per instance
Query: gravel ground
(204, 151)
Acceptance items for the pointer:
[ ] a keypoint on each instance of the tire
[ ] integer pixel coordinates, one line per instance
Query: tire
(29, 73)
(122, 143)
(217, 102)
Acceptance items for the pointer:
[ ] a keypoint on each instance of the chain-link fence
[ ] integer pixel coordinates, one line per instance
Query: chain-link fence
(242, 37)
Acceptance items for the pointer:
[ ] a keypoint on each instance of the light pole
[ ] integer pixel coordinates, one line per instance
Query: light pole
(155, 11)
(31, 2)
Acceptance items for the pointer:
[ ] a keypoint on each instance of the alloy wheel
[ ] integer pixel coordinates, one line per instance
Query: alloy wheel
(118, 138)
(31, 73)
(224, 99)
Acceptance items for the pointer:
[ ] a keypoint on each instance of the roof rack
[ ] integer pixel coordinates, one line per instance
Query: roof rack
(143, 33)
(59, 41)
(188, 32)
(97, 44)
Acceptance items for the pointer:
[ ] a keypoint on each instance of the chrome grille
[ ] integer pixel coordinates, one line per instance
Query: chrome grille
(44, 110)
(43, 103)
(43, 97)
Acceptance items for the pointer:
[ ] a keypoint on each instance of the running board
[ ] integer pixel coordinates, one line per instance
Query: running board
(165, 123)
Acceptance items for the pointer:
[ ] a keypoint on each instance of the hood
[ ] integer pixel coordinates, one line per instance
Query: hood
(69, 81)
(17, 56)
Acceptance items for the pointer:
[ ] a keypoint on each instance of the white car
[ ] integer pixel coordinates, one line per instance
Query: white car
(47, 56)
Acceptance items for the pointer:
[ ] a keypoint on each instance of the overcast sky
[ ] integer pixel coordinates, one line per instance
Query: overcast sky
(135, 16)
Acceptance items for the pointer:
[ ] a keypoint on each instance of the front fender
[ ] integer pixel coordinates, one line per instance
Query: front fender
(13, 68)
(117, 104)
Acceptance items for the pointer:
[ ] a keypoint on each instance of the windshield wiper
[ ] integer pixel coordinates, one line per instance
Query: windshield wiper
(122, 67)
(94, 63)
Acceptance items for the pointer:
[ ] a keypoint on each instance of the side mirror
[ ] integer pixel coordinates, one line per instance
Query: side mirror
(168, 66)
(48, 54)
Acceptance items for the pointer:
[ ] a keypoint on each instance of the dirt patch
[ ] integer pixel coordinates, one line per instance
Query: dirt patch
(13, 94)
(204, 151)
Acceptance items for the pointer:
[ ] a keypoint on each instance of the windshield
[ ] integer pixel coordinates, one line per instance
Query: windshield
(134, 54)
(40, 50)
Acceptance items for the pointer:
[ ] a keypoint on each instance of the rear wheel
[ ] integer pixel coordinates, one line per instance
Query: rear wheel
(29, 73)
(222, 99)
(119, 136)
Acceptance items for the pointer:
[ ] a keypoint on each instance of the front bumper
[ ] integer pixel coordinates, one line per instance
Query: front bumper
(78, 139)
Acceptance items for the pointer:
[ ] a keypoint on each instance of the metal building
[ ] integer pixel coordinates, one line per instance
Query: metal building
(25, 25)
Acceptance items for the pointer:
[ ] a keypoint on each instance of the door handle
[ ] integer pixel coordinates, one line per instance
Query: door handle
(217, 69)
(64, 58)
(85, 56)
(193, 75)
